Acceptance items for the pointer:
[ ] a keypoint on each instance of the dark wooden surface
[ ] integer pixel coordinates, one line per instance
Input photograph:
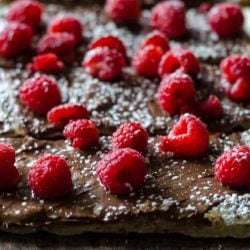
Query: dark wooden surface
(91, 241)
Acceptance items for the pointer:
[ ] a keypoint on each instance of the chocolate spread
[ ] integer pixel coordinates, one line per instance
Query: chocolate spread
(175, 188)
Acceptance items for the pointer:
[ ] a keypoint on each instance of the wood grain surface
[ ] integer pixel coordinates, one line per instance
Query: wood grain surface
(106, 242)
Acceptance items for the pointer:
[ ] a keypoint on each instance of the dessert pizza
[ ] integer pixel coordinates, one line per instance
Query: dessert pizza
(124, 117)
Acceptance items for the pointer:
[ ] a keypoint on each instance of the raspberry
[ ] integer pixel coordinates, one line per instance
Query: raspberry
(40, 94)
(50, 177)
(122, 171)
(68, 24)
(235, 80)
(233, 167)
(182, 60)
(83, 133)
(211, 107)
(170, 18)
(109, 41)
(234, 67)
(15, 39)
(226, 19)
(239, 91)
(156, 38)
(205, 7)
(123, 10)
(26, 11)
(61, 115)
(47, 63)
(104, 63)
(61, 44)
(176, 93)
(146, 61)
(9, 176)
(130, 135)
(7, 155)
(189, 137)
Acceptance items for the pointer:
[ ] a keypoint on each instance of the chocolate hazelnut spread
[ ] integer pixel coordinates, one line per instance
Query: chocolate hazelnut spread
(132, 97)
(176, 191)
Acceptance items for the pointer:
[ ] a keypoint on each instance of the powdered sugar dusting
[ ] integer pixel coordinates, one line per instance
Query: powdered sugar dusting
(235, 209)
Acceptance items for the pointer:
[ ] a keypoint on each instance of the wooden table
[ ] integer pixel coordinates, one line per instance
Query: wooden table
(91, 241)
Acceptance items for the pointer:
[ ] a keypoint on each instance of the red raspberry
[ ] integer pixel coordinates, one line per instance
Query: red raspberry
(233, 167)
(189, 137)
(26, 11)
(123, 10)
(156, 38)
(205, 7)
(211, 107)
(7, 155)
(104, 63)
(15, 39)
(111, 42)
(176, 93)
(170, 18)
(47, 63)
(130, 135)
(83, 133)
(61, 44)
(234, 67)
(62, 114)
(146, 61)
(239, 91)
(122, 171)
(68, 24)
(50, 177)
(182, 60)
(226, 19)
(40, 94)
(9, 176)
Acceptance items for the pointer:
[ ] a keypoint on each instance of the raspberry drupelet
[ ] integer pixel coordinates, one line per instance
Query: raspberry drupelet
(61, 115)
(232, 168)
(82, 133)
(26, 11)
(50, 177)
(226, 19)
(170, 18)
(46, 63)
(130, 135)
(9, 175)
(189, 137)
(123, 11)
(40, 94)
(179, 60)
(176, 93)
(104, 63)
(122, 171)
(15, 39)
(68, 24)
(111, 42)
